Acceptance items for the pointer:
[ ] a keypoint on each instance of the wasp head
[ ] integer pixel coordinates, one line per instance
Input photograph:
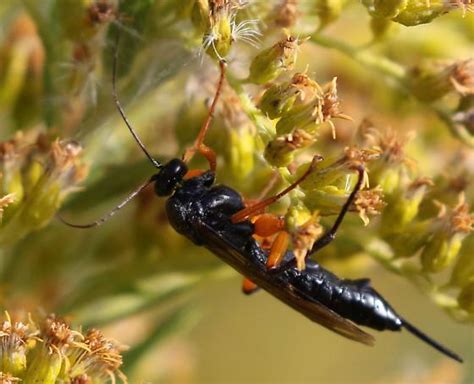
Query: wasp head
(169, 177)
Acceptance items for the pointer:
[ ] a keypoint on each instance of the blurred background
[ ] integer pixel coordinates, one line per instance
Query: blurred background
(403, 106)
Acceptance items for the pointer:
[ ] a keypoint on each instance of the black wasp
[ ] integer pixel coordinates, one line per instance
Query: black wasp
(215, 216)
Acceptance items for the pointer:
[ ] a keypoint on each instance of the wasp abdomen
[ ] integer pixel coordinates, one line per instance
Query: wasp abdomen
(355, 300)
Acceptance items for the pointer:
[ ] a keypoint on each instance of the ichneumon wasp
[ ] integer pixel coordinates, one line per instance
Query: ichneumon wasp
(216, 217)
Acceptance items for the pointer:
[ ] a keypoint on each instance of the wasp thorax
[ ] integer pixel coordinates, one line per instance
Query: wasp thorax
(170, 175)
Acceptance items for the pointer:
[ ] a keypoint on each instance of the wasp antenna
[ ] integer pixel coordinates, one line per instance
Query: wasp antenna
(105, 218)
(416, 332)
(155, 162)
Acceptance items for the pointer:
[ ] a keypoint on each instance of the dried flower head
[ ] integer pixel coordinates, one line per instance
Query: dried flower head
(216, 20)
(14, 339)
(39, 174)
(433, 79)
(303, 239)
(369, 202)
(50, 351)
(286, 13)
(278, 100)
(98, 358)
(448, 231)
(6, 378)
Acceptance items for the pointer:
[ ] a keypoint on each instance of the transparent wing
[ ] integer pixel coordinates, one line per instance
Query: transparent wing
(307, 306)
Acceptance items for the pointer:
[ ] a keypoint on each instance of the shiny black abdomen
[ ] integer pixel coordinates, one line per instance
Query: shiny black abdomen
(353, 299)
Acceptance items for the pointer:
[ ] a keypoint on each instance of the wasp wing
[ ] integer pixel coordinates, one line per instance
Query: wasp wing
(290, 295)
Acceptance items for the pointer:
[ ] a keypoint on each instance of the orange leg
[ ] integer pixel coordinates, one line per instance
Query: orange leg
(251, 210)
(248, 286)
(193, 173)
(199, 145)
(210, 155)
(278, 250)
(268, 224)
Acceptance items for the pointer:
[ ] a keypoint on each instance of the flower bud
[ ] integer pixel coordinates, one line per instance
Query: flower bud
(423, 11)
(273, 61)
(440, 252)
(278, 100)
(328, 11)
(310, 115)
(218, 38)
(450, 229)
(303, 117)
(391, 168)
(280, 151)
(44, 367)
(463, 271)
(297, 215)
(404, 204)
(432, 80)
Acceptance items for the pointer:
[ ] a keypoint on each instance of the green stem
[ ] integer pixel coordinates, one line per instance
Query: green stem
(364, 57)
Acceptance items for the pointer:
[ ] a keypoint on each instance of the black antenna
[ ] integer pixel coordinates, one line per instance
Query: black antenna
(103, 219)
(155, 162)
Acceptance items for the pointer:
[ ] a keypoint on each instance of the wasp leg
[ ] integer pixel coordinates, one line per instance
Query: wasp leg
(193, 173)
(278, 250)
(249, 287)
(268, 224)
(331, 234)
(209, 154)
(255, 208)
(199, 145)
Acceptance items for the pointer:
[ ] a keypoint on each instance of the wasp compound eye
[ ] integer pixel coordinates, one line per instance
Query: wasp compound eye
(170, 175)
